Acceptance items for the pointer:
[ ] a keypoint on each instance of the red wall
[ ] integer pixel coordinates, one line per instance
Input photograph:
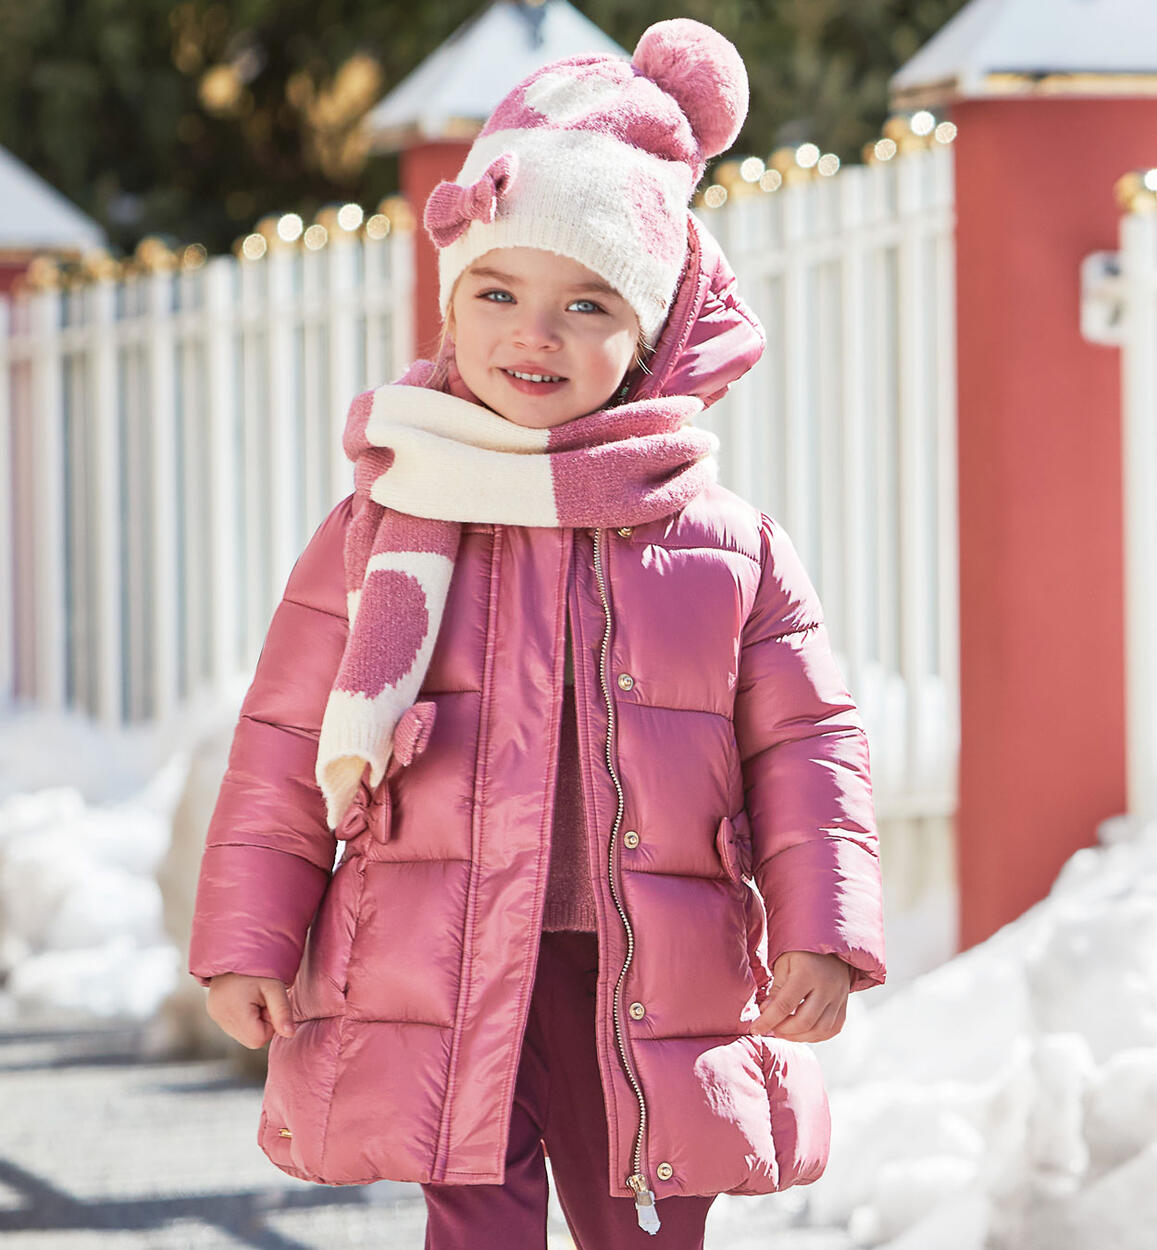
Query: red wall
(1040, 506)
(422, 168)
(10, 273)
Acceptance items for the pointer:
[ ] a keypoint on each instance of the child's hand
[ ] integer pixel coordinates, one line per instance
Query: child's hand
(808, 999)
(250, 1009)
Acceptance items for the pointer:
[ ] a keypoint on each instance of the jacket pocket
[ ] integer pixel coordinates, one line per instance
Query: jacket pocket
(733, 843)
(371, 810)
(801, 1124)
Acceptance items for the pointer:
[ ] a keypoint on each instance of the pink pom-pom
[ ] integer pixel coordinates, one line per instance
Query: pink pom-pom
(705, 74)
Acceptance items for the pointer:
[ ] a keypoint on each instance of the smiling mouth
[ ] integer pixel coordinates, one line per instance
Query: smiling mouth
(533, 377)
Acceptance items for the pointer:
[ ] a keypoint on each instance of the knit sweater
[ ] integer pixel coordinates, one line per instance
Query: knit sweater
(570, 901)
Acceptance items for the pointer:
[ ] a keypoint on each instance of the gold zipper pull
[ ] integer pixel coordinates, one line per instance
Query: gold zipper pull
(644, 1204)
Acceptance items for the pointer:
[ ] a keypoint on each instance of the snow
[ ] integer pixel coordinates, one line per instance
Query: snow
(1007, 1098)
(85, 819)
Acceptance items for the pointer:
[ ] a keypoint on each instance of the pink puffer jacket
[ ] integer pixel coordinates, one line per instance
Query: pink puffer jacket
(726, 783)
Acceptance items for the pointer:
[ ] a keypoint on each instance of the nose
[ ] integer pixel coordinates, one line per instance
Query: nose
(537, 330)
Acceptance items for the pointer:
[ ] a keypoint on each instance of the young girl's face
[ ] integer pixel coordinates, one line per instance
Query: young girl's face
(525, 310)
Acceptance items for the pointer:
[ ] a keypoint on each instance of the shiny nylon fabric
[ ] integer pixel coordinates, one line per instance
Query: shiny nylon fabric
(744, 769)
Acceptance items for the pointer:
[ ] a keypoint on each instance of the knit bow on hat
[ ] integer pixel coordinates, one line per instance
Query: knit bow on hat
(451, 208)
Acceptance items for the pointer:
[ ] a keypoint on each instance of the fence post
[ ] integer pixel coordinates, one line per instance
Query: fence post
(853, 536)
(403, 275)
(345, 378)
(7, 517)
(221, 417)
(281, 313)
(1139, 447)
(916, 470)
(109, 650)
(165, 555)
(47, 511)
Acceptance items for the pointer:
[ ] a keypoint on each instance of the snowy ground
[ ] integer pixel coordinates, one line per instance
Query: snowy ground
(1007, 1099)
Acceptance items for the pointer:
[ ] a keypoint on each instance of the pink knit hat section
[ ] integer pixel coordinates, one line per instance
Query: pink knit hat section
(596, 158)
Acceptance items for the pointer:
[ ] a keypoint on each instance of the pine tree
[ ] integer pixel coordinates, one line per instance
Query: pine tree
(193, 119)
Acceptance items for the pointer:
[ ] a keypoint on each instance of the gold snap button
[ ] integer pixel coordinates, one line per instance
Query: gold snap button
(664, 1171)
(625, 531)
(284, 1132)
(637, 1010)
(626, 681)
(631, 839)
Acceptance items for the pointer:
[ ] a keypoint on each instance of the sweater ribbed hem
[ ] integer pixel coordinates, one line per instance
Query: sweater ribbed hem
(569, 915)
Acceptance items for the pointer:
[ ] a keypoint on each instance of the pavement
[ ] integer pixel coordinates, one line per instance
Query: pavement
(105, 1147)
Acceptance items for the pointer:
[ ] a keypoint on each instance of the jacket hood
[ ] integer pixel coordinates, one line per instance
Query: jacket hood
(710, 339)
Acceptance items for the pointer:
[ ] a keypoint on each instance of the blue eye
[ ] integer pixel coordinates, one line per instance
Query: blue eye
(487, 294)
(591, 303)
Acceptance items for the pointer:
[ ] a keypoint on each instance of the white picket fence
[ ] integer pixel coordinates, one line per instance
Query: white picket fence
(175, 437)
(845, 433)
(168, 442)
(1138, 274)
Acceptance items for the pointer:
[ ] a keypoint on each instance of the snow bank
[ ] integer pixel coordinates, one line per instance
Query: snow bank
(1008, 1099)
(85, 819)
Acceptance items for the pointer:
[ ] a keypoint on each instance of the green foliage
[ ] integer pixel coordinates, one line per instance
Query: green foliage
(193, 119)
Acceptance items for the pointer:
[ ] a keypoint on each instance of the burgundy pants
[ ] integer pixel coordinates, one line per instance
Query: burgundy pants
(558, 1101)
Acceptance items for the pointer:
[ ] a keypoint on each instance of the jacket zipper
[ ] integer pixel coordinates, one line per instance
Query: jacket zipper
(645, 1208)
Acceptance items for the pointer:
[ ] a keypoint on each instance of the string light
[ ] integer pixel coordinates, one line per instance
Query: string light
(1136, 191)
(350, 216)
(922, 123)
(194, 256)
(289, 227)
(715, 196)
(316, 237)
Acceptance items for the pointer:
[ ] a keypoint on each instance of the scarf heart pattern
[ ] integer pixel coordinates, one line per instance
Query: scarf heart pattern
(425, 461)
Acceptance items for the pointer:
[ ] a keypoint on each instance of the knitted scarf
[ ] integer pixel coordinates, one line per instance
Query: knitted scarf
(424, 462)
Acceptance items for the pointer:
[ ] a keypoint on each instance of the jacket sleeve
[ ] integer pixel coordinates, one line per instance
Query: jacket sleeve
(808, 791)
(269, 852)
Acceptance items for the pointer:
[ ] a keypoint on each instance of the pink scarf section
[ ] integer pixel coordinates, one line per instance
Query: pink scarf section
(425, 461)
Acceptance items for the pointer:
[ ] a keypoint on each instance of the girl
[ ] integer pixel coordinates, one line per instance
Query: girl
(610, 854)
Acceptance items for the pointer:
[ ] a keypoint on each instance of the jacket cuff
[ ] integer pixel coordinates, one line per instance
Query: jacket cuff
(254, 906)
(823, 895)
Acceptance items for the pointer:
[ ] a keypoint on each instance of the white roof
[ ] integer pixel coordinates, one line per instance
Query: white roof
(457, 87)
(34, 214)
(1094, 38)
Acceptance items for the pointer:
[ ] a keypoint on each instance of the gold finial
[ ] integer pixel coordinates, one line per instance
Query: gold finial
(153, 255)
(910, 132)
(399, 211)
(193, 256)
(731, 176)
(43, 274)
(794, 164)
(97, 265)
(1136, 191)
(277, 235)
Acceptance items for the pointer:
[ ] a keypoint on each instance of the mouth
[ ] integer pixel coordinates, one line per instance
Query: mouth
(533, 383)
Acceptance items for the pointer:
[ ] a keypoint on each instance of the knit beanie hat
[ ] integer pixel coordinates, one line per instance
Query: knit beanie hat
(596, 158)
